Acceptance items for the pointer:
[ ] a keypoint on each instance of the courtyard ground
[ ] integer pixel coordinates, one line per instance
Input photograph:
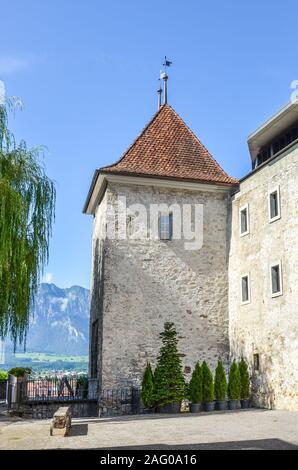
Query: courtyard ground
(249, 429)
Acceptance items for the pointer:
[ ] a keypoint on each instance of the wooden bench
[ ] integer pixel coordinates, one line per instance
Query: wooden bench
(61, 422)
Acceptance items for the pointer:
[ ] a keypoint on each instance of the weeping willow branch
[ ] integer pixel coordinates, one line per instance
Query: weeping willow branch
(27, 204)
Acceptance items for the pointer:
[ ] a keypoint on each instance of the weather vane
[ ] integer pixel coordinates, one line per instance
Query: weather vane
(164, 76)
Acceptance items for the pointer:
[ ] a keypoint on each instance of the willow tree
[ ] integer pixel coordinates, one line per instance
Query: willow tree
(27, 203)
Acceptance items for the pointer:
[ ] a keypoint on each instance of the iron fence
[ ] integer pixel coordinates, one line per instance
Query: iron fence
(120, 401)
(3, 386)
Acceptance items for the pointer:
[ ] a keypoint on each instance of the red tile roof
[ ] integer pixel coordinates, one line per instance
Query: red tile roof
(167, 148)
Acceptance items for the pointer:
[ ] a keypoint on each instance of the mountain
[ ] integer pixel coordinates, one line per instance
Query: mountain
(60, 321)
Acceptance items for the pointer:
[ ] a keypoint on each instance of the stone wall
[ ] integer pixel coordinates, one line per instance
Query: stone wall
(267, 326)
(144, 283)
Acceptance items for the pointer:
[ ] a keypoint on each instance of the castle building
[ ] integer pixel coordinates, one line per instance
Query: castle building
(177, 239)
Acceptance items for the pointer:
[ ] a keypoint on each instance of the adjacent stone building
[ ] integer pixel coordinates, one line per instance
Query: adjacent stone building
(177, 239)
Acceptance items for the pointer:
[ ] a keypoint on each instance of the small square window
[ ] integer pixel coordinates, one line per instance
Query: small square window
(245, 289)
(274, 205)
(244, 220)
(166, 227)
(276, 280)
(256, 362)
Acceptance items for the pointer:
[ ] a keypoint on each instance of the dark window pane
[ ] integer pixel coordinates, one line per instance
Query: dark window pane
(275, 279)
(256, 362)
(166, 227)
(244, 221)
(273, 205)
(244, 286)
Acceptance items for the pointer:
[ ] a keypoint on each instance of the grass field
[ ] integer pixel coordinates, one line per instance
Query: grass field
(49, 358)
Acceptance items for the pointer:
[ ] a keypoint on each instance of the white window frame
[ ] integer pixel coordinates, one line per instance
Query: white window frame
(280, 292)
(278, 216)
(245, 302)
(241, 209)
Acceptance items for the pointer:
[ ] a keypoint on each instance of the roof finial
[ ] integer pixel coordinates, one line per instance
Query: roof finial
(159, 91)
(164, 76)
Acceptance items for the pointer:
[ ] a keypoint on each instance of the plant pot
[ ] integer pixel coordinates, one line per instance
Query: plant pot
(170, 408)
(245, 403)
(195, 407)
(221, 405)
(233, 404)
(209, 406)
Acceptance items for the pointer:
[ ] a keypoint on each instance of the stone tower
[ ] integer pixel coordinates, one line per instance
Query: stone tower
(149, 266)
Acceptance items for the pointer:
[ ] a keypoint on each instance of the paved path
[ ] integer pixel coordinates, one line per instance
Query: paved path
(252, 429)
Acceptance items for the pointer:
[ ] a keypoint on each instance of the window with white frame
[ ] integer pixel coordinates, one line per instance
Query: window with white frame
(243, 220)
(166, 226)
(274, 204)
(245, 289)
(276, 279)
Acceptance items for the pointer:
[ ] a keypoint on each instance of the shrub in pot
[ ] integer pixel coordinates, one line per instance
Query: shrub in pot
(148, 388)
(220, 386)
(169, 384)
(234, 387)
(245, 385)
(207, 388)
(195, 389)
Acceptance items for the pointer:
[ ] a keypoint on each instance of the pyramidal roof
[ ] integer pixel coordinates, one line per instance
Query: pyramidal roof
(167, 148)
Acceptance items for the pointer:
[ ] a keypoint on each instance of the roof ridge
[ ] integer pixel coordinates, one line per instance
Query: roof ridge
(138, 137)
(198, 140)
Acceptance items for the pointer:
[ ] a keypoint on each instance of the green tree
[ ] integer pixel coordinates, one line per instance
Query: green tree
(220, 382)
(244, 378)
(148, 386)
(208, 385)
(3, 375)
(234, 387)
(27, 205)
(196, 385)
(169, 384)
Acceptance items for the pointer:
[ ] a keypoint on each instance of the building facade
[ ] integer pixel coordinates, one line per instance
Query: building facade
(228, 281)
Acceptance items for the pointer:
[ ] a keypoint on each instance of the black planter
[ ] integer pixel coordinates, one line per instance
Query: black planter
(195, 407)
(209, 406)
(221, 405)
(245, 403)
(233, 404)
(170, 408)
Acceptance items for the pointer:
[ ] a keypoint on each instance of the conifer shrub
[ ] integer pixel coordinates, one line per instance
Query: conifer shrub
(244, 379)
(20, 371)
(196, 385)
(169, 384)
(220, 382)
(208, 385)
(234, 387)
(148, 387)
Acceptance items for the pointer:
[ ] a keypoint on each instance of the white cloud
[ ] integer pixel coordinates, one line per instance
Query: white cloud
(2, 92)
(48, 277)
(10, 65)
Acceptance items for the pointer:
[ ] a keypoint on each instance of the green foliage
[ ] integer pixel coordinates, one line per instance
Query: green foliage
(148, 387)
(208, 386)
(3, 375)
(220, 382)
(169, 384)
(244, 378)
(26, 215)
(20, 371)
(234, 387)
(196, 385)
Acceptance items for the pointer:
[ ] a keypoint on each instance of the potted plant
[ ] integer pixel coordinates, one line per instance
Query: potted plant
(147, 389)
(169, 384)
(244, 379)
(195, 389)
(234, 387)
(20, 373)
(220, 386)
(207, 388)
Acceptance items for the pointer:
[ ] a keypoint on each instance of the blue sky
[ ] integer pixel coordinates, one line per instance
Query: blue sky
(87, 73)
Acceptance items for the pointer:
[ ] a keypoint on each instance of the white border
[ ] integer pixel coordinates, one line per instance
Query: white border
(245, 302)
(278, 216)
(280, 292)
(242, 208)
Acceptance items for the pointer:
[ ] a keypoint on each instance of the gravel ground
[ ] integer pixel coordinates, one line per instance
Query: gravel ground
(249, 429)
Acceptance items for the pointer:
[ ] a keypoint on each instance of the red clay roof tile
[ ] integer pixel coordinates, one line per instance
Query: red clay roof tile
(167, 148)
